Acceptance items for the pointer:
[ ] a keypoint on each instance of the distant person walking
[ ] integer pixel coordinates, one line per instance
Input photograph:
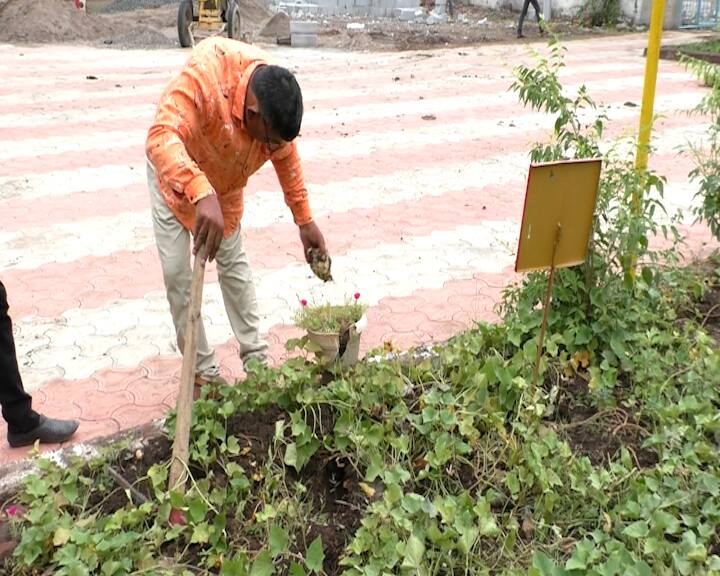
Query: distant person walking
(523, 14)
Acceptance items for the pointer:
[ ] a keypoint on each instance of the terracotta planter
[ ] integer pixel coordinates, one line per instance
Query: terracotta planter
(335, 347)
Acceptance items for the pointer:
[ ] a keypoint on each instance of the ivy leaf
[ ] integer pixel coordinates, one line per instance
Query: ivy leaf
(279, 540)
(197, 510)
(581, 555)
(488, 526)
(647, 275)
(374, 469)
(291, 455)
(70, 491)
(544, 566)
(233, 446)
(315, 555)
(683, 565)
(297, 570)
(298, 455)
(637, 529)
(618, 347)
(61, 537)
(414, 552)
(158, 476)
(263, 565)
(234, 567)
(512, 482)
(201, 534)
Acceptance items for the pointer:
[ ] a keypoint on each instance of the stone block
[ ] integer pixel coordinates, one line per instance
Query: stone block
(303, 40)
(407, 4)
(303, 27)
(408, 14)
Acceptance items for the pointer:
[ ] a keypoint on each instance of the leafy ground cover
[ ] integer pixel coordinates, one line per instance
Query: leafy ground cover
(449, 463)
(708, 46)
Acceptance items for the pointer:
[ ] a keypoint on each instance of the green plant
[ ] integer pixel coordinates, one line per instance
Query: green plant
(707, 156)
(708, 46)
(595, 306)
(329, 318)
(442, 463)
(601, 12)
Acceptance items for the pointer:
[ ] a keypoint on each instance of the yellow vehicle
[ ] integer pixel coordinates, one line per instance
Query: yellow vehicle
(209, 17)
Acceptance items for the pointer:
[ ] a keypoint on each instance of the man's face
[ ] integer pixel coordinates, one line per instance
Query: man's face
(271, 140)
(261, 131)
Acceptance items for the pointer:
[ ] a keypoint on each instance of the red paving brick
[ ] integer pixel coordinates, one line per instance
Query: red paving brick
(114, 399)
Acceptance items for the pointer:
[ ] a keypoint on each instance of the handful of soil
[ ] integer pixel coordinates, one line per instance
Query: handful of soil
(320, 264)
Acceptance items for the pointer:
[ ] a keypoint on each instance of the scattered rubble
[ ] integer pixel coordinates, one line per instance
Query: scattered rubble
(395, 25)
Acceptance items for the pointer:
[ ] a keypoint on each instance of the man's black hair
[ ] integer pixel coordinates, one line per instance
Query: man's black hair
(280, 100)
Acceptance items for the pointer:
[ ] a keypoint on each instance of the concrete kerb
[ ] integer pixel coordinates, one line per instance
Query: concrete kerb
(12, 475)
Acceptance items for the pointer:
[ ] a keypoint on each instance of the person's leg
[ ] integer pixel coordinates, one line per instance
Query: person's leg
(25, 426)
(538, 14)
(16, 403)
(238, 290)
(173, 244)
(523, 13)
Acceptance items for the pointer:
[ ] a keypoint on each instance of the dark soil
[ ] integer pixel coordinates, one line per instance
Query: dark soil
(331, 483)
(707, 310)
(599, 435)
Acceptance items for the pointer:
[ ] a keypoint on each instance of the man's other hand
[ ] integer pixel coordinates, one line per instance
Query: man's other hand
(209, 225)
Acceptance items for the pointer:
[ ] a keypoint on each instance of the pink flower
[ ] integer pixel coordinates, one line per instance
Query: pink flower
(177, 517)
(12, 511)
(303, 302)
(357, 296)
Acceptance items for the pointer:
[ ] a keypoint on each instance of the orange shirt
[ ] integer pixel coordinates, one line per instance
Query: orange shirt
(198, 142)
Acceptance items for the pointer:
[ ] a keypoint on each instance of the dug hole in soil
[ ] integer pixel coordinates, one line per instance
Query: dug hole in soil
(332, 486)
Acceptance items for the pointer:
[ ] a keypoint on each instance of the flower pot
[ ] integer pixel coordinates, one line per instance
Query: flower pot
(336, 347)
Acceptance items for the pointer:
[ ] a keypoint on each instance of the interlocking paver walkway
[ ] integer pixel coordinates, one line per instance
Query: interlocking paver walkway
(416, 165)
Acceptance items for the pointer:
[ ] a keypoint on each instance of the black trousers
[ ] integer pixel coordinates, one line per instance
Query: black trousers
(526, 8)
(16, 403)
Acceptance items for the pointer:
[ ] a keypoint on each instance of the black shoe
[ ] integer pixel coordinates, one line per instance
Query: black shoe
(521, 35)
(48, 431)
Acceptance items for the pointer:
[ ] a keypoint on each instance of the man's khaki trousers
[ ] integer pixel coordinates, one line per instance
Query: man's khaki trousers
(236, 284)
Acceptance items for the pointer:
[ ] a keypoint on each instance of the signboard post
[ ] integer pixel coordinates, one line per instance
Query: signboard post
(557, 222)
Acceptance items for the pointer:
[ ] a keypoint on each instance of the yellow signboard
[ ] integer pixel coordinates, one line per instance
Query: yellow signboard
(560, 196)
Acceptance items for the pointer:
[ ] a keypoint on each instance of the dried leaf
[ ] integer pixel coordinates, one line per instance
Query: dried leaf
(369, 491)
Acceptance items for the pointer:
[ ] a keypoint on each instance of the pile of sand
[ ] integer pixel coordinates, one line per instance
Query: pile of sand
(48, 21)
(58, 21)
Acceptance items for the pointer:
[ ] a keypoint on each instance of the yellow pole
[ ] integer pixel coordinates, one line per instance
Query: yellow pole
(648, 104)
(651, 68)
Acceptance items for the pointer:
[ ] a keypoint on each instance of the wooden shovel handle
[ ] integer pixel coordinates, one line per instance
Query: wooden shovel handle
(181, 444)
